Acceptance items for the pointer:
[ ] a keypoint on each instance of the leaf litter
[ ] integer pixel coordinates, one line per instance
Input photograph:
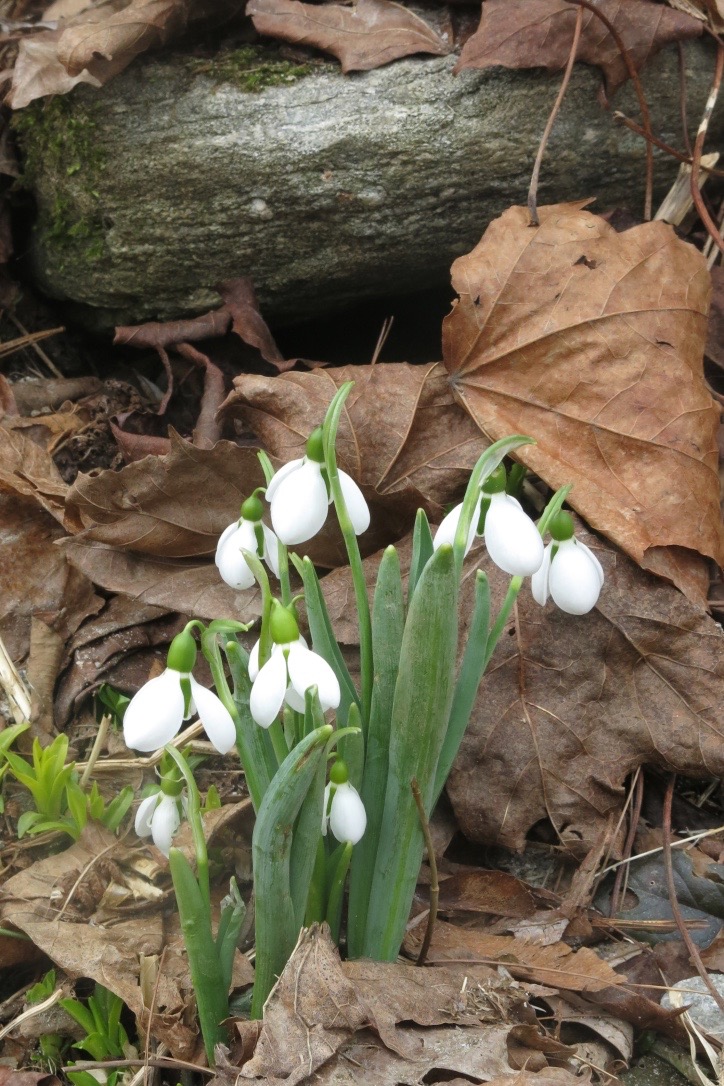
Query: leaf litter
(641, 688)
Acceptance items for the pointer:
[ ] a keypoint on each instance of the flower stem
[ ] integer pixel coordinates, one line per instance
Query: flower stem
(283, 555)
(511, 595)
(276, 734)
(331, 424)
(193, 815)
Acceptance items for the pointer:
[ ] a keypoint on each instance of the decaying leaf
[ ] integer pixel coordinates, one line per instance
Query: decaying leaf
(401, 436)
(320, 1005)
(38, 71)
(172, 506)
(241, 303)
(539, 33)
(591, 342)
(479, 891)
(68, 905)
(27, 470)
(366, 35)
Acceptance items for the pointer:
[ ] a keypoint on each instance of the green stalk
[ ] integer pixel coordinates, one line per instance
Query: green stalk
(422, 700)
(195, 821)
(252, 742)
(329, 434)
(388, 619)
(276, 924)
(516, 583)
(275, 731)
(336, 891)
(308, 826)
(422, 548)
(472, 670)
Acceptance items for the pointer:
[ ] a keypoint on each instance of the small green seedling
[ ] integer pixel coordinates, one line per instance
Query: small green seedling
(105, 1038)
(7, 738)
(110, 702)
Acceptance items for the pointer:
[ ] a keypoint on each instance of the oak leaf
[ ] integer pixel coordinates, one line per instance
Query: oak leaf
(365, 35)
(539, 33)
(591, 342)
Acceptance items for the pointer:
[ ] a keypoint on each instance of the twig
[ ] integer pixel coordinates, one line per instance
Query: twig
(15, 690)
(699, 147)
(161, 1061)
(643, 104)
(673, 900)
(630, 837)
(682, 98)
(31, 340)
(533, 190)
(434, 883)
(31, 1012)
(653, 851)
(621, 118)
(382, 339)
(96, 750)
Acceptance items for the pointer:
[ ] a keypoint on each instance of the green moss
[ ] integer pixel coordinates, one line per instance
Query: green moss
(253, 68)
(63, 164)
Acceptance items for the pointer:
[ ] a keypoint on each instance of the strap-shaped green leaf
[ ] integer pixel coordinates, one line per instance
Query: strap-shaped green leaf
(320, 627)
(276, 922)
(212, 997)
(308, 826)
(421, 551)
(388, 620)
(255, 750)
(336, 889)
(466, 687)
(421, 706)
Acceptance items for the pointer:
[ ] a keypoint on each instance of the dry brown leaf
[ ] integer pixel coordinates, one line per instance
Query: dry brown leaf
(173, 506)
(142, 25)
(189, 587)
(240, 300)
(479, 891)
(556, 966)
(39, 72)
(591, 342)
(36, 578)
(401, 436)
(366, 35)
(539, 33)
(27, 470)
(320, 1003)
(78, 908)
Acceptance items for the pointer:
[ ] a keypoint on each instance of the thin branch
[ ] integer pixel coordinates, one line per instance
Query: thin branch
(533, 190)
(696, 195)
(643, 104)
(630, 837)
(680, 923)
(621, 118)
(434, 883)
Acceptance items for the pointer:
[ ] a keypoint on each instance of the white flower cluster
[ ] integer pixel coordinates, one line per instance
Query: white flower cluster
(566, 569)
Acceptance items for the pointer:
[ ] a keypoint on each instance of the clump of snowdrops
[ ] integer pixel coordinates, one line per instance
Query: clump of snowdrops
(330, 765)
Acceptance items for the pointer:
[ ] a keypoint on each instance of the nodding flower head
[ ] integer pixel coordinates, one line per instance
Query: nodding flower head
(570, 572)
(344, 811)
(289, 672)
(157, 711)
(300, 498)
(159, 815)
(512, 539)
(246, 534)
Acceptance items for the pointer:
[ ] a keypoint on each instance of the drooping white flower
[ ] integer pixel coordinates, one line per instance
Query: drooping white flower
(157, 711)
(512, 539)
(347, 815)
(286, 676)
(570, 572)
(449, 525)
(300, 500)
(158, 816)
(246, 534)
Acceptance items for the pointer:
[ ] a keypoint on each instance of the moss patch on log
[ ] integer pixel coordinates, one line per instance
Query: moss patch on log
(61, 156)
(253, 68)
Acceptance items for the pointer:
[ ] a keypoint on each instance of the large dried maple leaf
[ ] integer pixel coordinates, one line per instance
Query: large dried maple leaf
(592, 342)
(539, 33)
(364, 35)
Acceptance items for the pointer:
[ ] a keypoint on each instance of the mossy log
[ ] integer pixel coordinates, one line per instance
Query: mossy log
(323, 188)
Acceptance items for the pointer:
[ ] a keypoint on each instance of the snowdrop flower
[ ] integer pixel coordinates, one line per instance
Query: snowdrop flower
(571, 573)
(246, 534)
(158, 817)
(289, 672)
(155, 714)
(300, 498)
(344, 811)
(512, 539)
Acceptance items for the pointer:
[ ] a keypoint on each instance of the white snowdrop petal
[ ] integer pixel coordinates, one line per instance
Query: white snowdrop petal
(166, 820)
(267, 693)
(512, 539)
(592, 556)
(539, 580)
(293, 700)
(354, 499)
(144, 815)
(254, 662)
(347, 815)
(154, 715)
(307, 669)
(279, 476)
(226, 534)
(574, 580)
(231, 563)
(215, 717)
(449, 526)
(299, 505)
(271, 550)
